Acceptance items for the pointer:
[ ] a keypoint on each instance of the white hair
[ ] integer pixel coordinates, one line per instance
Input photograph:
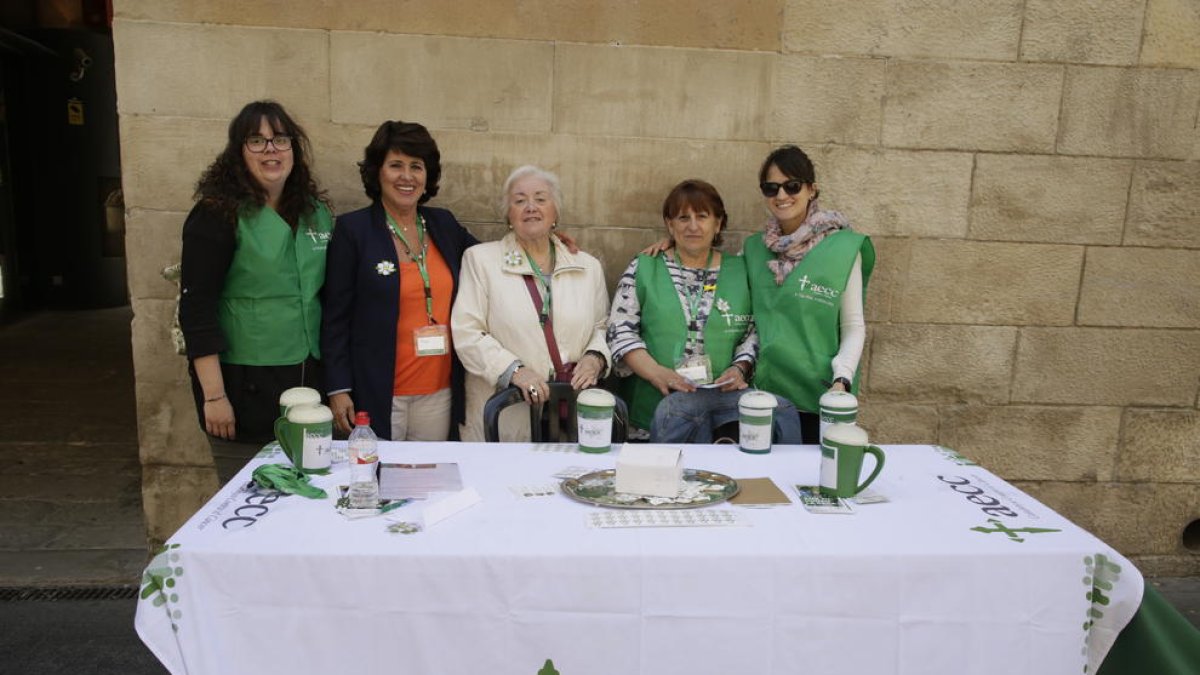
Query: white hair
(536, 172)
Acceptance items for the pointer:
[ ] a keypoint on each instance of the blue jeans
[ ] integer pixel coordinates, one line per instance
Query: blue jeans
(690, 417)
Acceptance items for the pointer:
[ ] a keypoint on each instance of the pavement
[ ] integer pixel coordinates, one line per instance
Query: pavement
(72, 535)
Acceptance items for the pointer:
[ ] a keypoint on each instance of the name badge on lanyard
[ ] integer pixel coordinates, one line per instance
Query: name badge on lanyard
(431, 340)
(697, 368)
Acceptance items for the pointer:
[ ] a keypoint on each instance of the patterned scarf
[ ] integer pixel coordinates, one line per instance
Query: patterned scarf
(790, 249)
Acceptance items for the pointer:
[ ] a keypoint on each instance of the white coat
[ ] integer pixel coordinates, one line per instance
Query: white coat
(494, 323)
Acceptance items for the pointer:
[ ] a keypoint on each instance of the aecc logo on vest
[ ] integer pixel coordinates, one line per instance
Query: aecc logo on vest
(320, 239)
(810, 290)
(730, 318)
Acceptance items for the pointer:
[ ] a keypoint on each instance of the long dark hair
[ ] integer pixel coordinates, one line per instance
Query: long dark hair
(413, 140)
(226, 185)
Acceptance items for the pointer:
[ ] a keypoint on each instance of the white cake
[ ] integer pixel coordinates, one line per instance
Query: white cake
(649, 470)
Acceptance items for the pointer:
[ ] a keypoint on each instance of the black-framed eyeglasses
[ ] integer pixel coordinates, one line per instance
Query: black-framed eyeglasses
(792, 187)
(280, 142)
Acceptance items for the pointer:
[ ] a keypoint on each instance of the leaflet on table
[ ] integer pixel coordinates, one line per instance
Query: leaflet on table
(815, 502)
(869, 496)
(418, 481)
(342, 505)
(759, 493)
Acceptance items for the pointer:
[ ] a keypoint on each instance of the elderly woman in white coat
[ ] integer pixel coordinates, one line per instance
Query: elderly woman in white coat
(528, 310)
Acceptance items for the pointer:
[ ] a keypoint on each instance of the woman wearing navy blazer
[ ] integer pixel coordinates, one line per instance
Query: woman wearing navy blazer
(391, 277)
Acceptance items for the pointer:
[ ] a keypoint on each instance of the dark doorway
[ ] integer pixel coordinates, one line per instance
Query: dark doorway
(61, 207)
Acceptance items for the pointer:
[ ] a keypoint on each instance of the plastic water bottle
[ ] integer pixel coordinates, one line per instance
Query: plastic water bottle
(364, 464)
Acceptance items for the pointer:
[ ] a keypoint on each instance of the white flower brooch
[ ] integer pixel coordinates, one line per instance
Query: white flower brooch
(385, 267)
(512, 258)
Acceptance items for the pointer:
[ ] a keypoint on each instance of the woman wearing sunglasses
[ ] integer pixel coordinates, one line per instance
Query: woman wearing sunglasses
(808, 277)
(253, 262)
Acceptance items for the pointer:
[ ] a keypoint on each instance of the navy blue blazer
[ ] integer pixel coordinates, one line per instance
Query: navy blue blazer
(360, 309)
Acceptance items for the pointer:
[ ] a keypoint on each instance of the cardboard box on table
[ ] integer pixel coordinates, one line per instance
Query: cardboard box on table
(650, 470)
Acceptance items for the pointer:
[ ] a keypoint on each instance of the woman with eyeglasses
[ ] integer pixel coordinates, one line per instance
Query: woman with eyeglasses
(808, 277)
(393, 275)
(252, 266)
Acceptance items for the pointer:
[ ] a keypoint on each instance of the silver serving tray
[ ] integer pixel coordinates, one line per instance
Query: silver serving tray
(596, 488)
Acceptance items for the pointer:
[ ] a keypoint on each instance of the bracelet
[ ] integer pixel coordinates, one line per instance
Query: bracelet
(744, 371)
(215, 398)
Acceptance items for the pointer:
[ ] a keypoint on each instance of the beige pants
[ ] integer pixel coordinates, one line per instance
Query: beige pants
(421, 418)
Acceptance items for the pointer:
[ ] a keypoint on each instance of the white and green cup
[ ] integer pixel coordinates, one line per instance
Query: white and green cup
(594, 415)
(842, 450)
(306, 434)
(756, 421)
(297, 396)
(837, 406)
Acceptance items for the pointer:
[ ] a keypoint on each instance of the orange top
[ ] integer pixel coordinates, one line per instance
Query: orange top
(419, 375)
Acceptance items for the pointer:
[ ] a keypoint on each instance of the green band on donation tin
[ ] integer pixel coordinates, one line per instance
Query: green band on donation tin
(756, 414)
(594, 417)
(838, 406)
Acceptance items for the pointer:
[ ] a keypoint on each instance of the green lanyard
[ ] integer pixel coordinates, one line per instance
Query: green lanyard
(694, 299)
(545, 279)
(418, 258)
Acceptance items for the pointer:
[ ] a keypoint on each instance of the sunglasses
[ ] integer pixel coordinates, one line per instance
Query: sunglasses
(792, 187)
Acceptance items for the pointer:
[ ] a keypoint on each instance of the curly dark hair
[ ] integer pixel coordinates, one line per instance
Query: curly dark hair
(410, 138)
(226, 185)
(699, 196)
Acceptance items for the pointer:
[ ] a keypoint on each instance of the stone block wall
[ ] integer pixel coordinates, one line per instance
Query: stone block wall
(1028, 169)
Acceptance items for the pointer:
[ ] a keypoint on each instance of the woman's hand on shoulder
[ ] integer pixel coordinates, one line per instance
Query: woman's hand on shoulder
(568, 241)
(343, 411)
(657, 247)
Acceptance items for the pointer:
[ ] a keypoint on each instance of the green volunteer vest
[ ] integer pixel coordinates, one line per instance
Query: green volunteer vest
(664, 326)
(798, 322)
(269, 310)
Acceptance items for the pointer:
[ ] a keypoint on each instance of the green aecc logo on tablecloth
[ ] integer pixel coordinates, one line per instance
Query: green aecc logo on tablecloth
(1101, 578)
(1011, 531)
(954, 456)
(271, 449)
(159, 579)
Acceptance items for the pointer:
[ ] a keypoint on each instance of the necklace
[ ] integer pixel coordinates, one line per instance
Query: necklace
(544, 279)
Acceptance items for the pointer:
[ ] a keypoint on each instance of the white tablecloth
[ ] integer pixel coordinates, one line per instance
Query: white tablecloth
(959, 572)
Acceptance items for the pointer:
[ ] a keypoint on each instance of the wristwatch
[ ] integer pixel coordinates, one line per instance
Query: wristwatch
(845, 383)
